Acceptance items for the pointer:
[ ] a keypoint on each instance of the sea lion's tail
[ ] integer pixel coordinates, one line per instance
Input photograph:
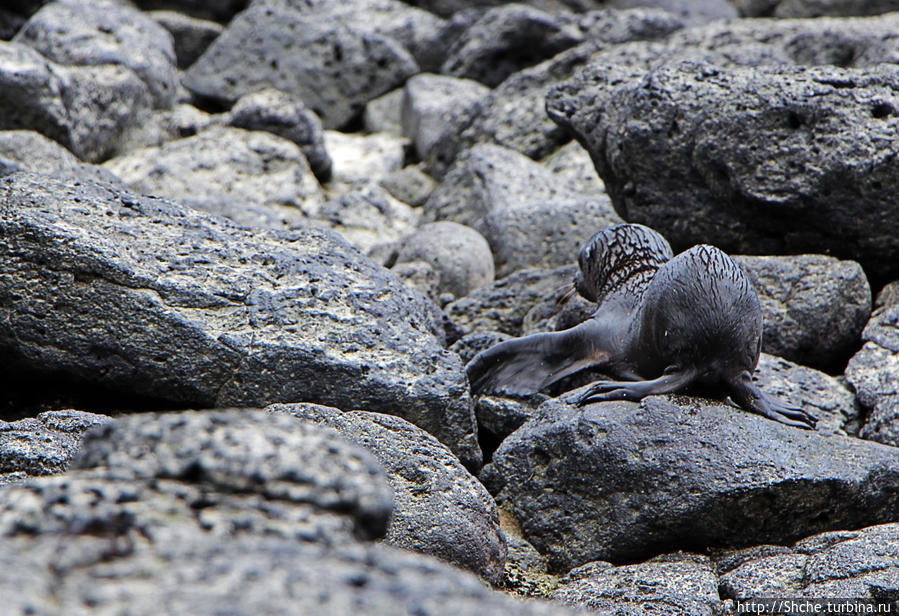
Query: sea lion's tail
(524, 366)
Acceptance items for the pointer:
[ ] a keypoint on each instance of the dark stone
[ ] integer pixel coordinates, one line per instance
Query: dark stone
(620, 481)
(149, 297)
(190, 35)
(27, 150)
(439, 508)
(814, 307)
(332, 67)
(771, 170)
(98, 32)
(215, 10)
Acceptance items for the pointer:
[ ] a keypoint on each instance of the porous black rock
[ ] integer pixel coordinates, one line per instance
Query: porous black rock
(147, 296)
(753, 160)
(621, 481)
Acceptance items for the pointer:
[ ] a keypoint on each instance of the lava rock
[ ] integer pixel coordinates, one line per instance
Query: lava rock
(502, 306)
(215, 10)
(332, 67)
(360, 158)
(851, 563)
(382, 114)
(369, 218)
(26, 150)
(690, 11)
(814, 8)
(428, 100)
(574, 169)
(814, 307)
(190, 35)
(97, 32)
(281, 114)
(410, 185)
(44, 444)
(507, 39)
(459, 254)
(223, 163)
(439, 508)
(620, 481)
(154, 298)
(771, 170)
(675, 584)
(87, 109)
(874, 373)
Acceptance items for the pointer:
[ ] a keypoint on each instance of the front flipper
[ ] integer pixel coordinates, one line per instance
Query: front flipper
(672, 380)
(524, 366)
(749, 397)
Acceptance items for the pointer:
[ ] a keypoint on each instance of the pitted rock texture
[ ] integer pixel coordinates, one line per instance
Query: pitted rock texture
(439, 508)
(814, 307)
(621, 481)
(222, 166)
(674, 584)
(857, 563)
(874, 372)
(332, 67)
(97, 32)
(814, 8)
(279, 113)
(234, 511)
(88, 109)
(44, 444)
(752, 160)
(139, 293)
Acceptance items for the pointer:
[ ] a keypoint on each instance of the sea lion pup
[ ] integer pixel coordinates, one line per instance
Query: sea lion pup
(662, 324)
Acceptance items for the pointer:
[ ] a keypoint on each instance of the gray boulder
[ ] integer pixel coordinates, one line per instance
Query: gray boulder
(771, 170)
(90, 110)
(874, 373)
(206, 513)
(502, 306)
(44, 444)
(332, 67)
(97, 32)
(27, 150)
(383, 114)
(359, 159)
(690, 11)
(814, 307)
(281, 114)
(459, 254)
(620, 481)
(507, 39)
(439, 508)
(428, 100)
(410, 185)
(852, 563)
(160, 300)
(190, 35)
(574, 169)
(224, 166)
(814, 8)
(680, 584)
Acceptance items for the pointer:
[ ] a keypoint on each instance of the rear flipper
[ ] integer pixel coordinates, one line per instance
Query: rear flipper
(672, 380)
(524, 366)
(749, 397)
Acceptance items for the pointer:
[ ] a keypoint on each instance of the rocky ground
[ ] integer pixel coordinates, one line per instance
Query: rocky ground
(247, 247)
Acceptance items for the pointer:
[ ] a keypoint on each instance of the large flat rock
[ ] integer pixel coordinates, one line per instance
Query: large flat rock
(141, 294)
(621, 481)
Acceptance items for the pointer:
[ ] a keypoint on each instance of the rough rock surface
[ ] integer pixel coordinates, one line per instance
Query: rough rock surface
(751, 160)
(332, 67)
(87, 109)
(279, 113)
(674, 584)
(27, 150)
(814, 8)
(44, 444)
(620, 481)
(97, 32)
(369, 218)
(156, 298)
(459, 254)
(874, 373)
(232, 511)
(814, 307)
(190, 35)
(360, 158)
(223, 163)
(861, 563)
(439, 508)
